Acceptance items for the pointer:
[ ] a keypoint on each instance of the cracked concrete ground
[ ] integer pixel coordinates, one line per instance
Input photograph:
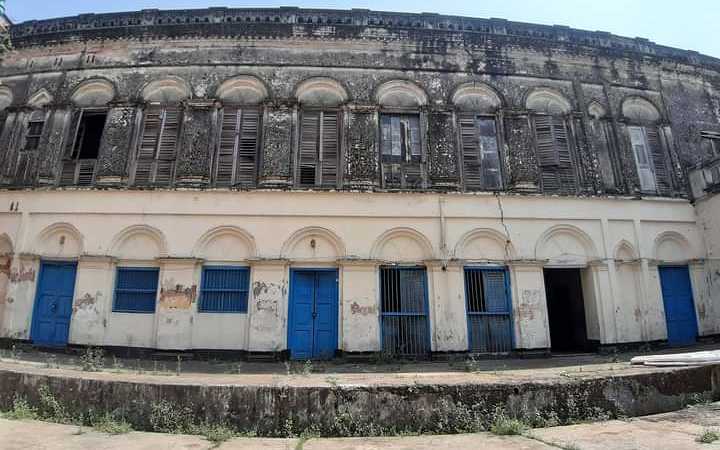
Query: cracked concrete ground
(671, 431)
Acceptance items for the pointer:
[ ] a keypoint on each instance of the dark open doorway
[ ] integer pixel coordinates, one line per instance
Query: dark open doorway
(566, 310)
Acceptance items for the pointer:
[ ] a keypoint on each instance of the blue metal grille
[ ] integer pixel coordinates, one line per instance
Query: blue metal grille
(488, 310)
(136, 289)
(224, 289)
(405, 326)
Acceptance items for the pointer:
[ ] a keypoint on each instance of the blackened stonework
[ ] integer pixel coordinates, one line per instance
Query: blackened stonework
(522, 162)
(277, 147)
(193, 165)
(590, 181)
(361, 158)
(441, 150)
(115, 146)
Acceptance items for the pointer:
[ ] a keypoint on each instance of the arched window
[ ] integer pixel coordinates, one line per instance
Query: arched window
(553, 143)
(318, 158)
(401, 143)
(87, 122)
(477, 106)
(645, 140)
(157, 149)
(236, 160)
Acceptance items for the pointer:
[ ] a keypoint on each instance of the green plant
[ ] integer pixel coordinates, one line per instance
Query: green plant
(166, 417)
(505, 426)
(51, 409)
(92, 360)
(708, 437)
(108, 423)
(21, 410)
(217, 434)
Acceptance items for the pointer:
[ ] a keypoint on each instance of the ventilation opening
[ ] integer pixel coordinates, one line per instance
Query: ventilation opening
(87, 143)
(566, 311)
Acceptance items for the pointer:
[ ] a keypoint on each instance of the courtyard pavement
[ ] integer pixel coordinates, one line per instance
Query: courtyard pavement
(671, 431)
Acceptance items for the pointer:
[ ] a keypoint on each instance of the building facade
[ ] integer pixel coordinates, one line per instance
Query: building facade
(320, 181)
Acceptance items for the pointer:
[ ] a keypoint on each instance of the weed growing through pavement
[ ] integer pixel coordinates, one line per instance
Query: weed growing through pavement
(108, 423)
(21, 410)
(92, 360)
(505, 426)
(708, 437)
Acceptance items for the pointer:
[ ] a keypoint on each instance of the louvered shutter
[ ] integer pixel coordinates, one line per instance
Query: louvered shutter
(145, 161)
(72, 144)
(167, 146)
(472, 171)
(412, 137)
(248, 147)
(639, 144)
(386, 135)
(330, 148)
(85, 172)
(561, 142)
(227, 147)
(662, 175)
(68, 172)
(489, 154)
(309, 135)
(546, 152)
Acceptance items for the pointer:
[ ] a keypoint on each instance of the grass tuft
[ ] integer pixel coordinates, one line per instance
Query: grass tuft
(708, 437)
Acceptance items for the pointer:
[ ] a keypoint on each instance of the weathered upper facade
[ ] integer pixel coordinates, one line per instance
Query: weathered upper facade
(458, 178)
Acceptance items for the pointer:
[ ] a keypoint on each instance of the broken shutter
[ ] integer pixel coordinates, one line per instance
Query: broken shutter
(227, 147)
(72, 143)
(148, 145)
(319, 148)
(641, 152)
(489, 153)
(401, 146)
(237, 150)
(167, 146)
(470, 143)
(662, 175)
(546, 152)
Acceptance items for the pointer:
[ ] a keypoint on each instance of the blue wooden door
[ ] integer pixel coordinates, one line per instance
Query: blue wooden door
(679, 305)
(312, 330)
(53, 303)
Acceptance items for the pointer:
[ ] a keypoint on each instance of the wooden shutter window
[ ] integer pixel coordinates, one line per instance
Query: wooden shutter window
(319, 154)
(639, 143)
(155, 163)
(469, 140)
(662, 175)
(481, 158)
(553, 153)
(546, 153)
(237, 149)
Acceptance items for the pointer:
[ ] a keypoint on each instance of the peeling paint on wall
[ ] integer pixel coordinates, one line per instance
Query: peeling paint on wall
(355, 308)
(177, 296)
(22, 274)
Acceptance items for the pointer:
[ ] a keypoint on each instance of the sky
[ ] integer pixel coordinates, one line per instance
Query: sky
(687, 24)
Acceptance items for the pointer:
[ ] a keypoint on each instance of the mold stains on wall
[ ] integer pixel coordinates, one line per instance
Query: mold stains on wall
(529, 304)
(267, 296)
(177, 296)
(85, 302)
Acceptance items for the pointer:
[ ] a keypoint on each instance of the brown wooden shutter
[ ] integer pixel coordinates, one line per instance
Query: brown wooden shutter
(309, 138)
(71, 143)
(227, 148)
(145, 161)
(167, 146)
(546, 152)
(472, 171)
(248, 146)
(561, 142)
(68, 172)
(662, 176)
(330, 148)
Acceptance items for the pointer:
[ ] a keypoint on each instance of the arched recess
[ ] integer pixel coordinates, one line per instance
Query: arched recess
(565, 246)
(167, 90)
(225, 243)
(548, 101)
(321, 92)
(139, 242)
(671, 246)
(400, 94)
(313, 243)
(484, 244)
(625, 252)
(476, 97)
(242, 90)
(60, 240)
(402, 245)
(6, 97)
(40, 99)
(6, 245)
(640, 110)
(93, 92)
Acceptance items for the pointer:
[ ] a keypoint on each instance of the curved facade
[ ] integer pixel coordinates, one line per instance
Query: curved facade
(320, 181)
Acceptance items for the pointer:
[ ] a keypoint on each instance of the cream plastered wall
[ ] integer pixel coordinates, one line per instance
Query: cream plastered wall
(708, 276)
(618, 243)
